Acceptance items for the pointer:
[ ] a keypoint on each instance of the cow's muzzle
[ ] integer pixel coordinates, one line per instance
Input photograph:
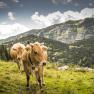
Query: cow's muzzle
(44, 63)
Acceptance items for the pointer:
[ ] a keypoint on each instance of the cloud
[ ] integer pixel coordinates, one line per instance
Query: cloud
(68, 1)
(21, 5)
(3, 4)
(41, 21)
(87, 12)
(90, 4)
(16, 1)
(11, 16)
(76, 4)
(61, 1)
(7, 30)
(54, 2)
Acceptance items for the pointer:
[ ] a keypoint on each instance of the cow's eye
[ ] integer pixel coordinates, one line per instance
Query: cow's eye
(35, 52)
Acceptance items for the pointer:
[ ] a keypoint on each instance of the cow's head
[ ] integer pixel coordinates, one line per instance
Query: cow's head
(19, 53)
(17, 50)
(38, 53)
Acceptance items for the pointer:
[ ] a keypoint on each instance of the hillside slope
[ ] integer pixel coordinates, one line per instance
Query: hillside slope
(80, 53)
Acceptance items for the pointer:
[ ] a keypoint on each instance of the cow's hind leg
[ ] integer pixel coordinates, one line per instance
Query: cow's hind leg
(27, 74)
(28, 79)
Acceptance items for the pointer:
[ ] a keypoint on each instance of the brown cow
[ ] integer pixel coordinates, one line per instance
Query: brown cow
(35, 55)
(16, 53)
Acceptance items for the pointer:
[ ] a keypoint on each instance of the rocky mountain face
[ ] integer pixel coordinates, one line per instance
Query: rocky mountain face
(68, 32)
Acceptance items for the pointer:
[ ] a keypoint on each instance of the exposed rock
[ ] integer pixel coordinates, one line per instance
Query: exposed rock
(63, 67)
(83, 69)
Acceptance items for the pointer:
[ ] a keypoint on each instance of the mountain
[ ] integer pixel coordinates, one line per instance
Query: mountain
(68, 32)
(71, 42)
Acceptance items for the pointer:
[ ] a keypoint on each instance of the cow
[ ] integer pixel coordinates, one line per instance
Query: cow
(35, 56)
(16, 54)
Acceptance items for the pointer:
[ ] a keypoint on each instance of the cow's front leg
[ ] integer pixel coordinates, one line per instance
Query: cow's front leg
(17, 62)
(38, 78)
(42, 79)
(21, 66)
(41, 75)
(27, 72)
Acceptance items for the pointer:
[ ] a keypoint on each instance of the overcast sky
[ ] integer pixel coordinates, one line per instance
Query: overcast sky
(17, 16)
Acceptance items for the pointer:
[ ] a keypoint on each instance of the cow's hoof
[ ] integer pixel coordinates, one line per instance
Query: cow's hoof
(43, 84)
(40, 86)
(27, 88)
(42, 90)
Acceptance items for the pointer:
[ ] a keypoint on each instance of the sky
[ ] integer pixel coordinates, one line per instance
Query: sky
(18, 16)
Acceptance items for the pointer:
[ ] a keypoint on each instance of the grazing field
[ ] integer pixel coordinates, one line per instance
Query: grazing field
(56, 81)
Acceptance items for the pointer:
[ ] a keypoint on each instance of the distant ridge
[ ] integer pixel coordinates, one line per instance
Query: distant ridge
(71, 42)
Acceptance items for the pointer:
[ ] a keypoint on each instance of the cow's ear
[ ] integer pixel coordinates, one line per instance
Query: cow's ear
(36, 43)
(14, 49)
(19, 48)
(44, 47)
(27, 47)
(31, 44)
(42, 44)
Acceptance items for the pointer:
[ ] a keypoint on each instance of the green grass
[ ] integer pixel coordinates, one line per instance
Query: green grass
(57, 82)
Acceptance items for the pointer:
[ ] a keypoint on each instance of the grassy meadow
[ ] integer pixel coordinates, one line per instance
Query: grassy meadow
(56, 81)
